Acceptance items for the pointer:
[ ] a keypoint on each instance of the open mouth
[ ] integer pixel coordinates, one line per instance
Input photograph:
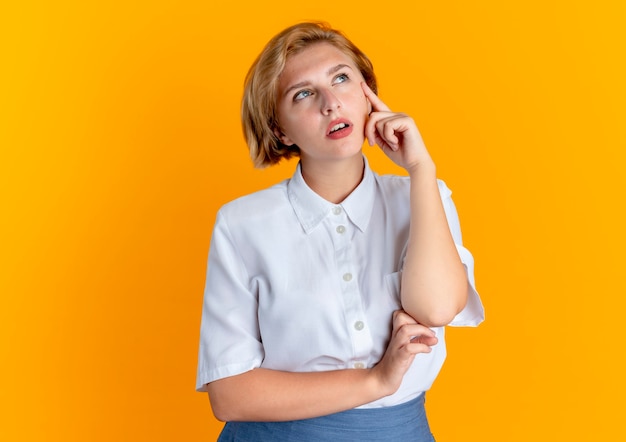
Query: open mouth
(338, 127)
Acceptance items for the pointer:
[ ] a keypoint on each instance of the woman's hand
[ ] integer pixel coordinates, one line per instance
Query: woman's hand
(408, 338)
(395, 133)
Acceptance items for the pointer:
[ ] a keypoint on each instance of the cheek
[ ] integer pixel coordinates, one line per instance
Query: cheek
(290, 120)
(360, 101)
(284, 118)
(294, 125)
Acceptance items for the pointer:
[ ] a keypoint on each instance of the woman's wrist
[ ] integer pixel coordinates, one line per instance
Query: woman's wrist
(379, 384)
(424, 168)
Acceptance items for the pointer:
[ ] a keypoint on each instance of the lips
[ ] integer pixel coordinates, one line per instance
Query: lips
(339, 129)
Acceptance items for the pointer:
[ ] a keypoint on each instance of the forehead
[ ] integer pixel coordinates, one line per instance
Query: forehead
(314, 60)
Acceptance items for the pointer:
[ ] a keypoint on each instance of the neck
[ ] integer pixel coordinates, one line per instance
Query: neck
(333, 180)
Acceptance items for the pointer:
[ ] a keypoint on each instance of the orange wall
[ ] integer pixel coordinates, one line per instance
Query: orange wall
(120, 138)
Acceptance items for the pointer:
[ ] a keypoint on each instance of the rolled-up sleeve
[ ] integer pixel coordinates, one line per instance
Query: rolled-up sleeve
(473, 313)
(230, 342)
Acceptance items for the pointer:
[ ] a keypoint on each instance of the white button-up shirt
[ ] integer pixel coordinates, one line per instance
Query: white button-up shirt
(299, 284)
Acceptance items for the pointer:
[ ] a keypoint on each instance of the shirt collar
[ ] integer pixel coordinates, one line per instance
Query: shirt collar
(311, 209)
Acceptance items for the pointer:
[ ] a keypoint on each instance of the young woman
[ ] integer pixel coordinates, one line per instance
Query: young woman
(326, 294)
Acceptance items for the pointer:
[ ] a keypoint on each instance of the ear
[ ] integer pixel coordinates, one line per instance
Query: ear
(283, 138)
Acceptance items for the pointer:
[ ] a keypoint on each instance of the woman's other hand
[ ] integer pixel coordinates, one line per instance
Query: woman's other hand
(408, 338)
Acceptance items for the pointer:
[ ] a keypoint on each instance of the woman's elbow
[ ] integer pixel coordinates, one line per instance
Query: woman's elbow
(218, 414)
(439, 318)
(435, 318)
(441, 313)
(219, 403)
(446, 314)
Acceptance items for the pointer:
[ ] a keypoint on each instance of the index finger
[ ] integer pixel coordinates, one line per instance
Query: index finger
(377, 104)
(400, 318)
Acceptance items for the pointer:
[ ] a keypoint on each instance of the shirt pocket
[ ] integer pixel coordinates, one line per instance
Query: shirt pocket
(392, 286)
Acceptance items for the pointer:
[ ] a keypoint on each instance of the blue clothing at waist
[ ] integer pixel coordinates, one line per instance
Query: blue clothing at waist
(406, 422)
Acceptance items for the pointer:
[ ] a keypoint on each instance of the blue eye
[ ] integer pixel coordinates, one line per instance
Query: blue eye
(341, 78)
(302, 94)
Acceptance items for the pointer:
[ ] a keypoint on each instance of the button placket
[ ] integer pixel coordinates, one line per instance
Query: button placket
(342, 232)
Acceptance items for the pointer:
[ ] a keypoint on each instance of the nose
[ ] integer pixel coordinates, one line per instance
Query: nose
(330, 102)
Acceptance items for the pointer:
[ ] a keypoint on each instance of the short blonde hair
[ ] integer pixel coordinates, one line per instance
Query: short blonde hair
(258, 108)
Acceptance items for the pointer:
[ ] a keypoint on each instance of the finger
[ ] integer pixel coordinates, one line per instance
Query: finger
(400, 318)
(374, 136)
(415, 348)
(426, 340)
(409, 332)
(405, 327)
(387, 131)
(377, 104)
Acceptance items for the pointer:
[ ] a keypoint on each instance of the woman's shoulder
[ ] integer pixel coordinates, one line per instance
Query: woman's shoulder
(257, 203)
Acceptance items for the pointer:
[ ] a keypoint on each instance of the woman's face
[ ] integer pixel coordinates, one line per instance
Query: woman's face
(320, 104)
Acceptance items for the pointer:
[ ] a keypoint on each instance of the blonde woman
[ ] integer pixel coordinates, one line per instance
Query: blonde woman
(327, 294)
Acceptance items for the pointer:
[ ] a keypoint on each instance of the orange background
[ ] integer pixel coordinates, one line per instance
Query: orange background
(120, 139)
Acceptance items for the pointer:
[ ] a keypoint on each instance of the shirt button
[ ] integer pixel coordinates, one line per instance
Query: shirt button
(336, 210)
(347, 277)
(340, 229)
(359, 365)
(358, 325)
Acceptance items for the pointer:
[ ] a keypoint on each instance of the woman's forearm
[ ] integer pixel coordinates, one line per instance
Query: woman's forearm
(269, 395)
(434, 283)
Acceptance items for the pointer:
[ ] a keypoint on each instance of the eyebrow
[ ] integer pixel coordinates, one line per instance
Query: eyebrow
(329, 72)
